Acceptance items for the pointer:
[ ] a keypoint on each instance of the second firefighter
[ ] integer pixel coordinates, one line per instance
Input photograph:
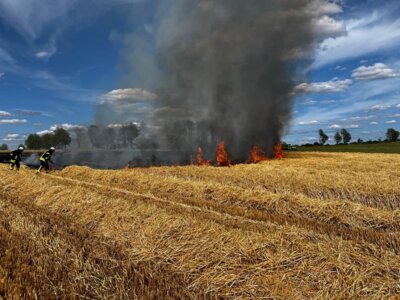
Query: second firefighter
(45, 159)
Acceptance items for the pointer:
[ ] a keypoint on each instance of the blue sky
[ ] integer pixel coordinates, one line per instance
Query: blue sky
(60, 59)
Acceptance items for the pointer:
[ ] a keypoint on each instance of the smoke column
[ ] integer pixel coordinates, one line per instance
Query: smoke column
(228, 67)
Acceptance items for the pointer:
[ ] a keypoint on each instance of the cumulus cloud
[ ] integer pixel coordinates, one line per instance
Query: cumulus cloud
(309, 122)
(322, 7)
(129, 95)
(336, 126)
(4, 113)
(376, 71)
(14, 137)
(353, 126)
(333, 86)
(44, 132)
(13, 121)
(328, 27)
(374, 123)
(66, 126)
(393, 116)
(391, 122)
(362, 118)
(379, 107)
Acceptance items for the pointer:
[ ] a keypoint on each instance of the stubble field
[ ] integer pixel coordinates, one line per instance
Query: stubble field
(310, 226)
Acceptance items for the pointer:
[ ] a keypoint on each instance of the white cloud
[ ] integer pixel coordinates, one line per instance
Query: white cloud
(308, 122)
(13, 121)
(336, 126)
(353, 126)
(129, 95)
(65, 126)
(362, 118)
(44, 132)
(376, 71)
(42, 54)
(2, 75)
(374, 123)
(328, 27)
(4, 113)
(398, 105)
(366, 35)
(379, 107)
(332, 86)
(393, 116)
(391, 122)
(45, 54)
(322, 7)
(14, 137)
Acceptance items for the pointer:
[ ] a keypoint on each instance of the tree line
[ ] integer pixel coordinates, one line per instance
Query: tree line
(59, 138)
(344, 136)
(110, 138)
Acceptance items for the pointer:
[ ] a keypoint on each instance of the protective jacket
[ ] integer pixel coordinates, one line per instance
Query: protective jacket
(16, 155)
(46, 156)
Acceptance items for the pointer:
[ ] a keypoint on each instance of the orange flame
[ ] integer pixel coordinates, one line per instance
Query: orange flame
(257, 155)
(200, 158)
(278, 151)
(222, 156)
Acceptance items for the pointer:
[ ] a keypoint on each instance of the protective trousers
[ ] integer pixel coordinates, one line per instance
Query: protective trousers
(44, 164)
(15, 162)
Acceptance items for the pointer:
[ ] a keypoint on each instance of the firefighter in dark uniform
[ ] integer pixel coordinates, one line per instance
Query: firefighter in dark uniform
(45, 159)
(16, 156)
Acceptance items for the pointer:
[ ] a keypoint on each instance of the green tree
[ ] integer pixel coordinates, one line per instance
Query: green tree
(34, 142)
(323, 138)
(338, 138)
(47, 140)
(61, 137)
(392, 135)
(3, 147)
(346, 136)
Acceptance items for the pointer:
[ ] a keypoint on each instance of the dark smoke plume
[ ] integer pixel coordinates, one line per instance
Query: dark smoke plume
(216, 70)
(228, 70)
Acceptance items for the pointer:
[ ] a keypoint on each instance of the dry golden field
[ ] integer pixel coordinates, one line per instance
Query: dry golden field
(310, 226)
